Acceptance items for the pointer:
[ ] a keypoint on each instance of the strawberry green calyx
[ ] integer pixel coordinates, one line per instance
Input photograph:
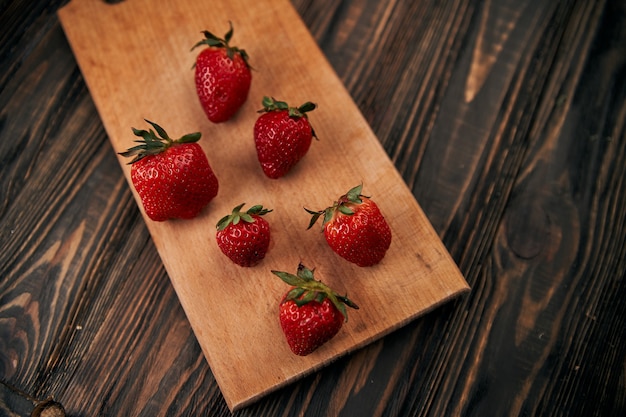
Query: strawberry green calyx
(237, 215)
(271, 104)
(153, 143)
(306, 289)
(212, 40)
(353, 196)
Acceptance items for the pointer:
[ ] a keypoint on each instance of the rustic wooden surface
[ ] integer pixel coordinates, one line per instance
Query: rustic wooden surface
(233, 310)
(506, 120)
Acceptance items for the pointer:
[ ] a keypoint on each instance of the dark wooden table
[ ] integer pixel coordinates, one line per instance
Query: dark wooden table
(505, 117)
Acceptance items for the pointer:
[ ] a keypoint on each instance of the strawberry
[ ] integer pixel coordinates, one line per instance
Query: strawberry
(222, 76)
(172, 177)
(355, 228)
(244, 236)
(282, 135)
(311, 313)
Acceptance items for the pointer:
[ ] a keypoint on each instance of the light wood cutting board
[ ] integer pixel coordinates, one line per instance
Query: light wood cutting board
(136, 60)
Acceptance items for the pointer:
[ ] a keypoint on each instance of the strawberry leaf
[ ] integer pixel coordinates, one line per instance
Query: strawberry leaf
(344, 299)
(295, 293)
(354, 195)
(340, 306)
(305, 273)
(237, 215)
(246, 217)
(290, 279)
(212, 40)
(293, 112)
(190, 138)
(307, 107)
(229, 34)
(328, 215)
(162, 133)
(245, 56)
(306, 289)
(222, 223)
(267, 102)
(271, 104)
(211, 37)
(306, 298)
(143, 133)
(238, 208)
(154, 143)
(345, 210)
(315, 215)
(258, 210)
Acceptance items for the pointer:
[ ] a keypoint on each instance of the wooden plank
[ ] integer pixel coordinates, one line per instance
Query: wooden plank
(136, 62)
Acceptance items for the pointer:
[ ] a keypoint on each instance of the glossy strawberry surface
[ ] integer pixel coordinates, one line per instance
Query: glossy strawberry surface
(176, 183)
(355, 228)
(361, 238)
(222, 83)
(310, 313)
(245, 243)
(281, 142)
(308, 327)
(282, 136)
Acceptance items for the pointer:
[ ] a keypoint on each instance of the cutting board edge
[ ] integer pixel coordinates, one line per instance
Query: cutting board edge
(241, 403)
(236, 405)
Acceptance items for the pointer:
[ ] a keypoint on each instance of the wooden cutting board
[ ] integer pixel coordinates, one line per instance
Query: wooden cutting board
(136, 60)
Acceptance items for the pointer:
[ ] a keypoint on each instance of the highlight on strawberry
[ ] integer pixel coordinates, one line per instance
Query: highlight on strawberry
(222, 76)
(282, 136)
(172, 176)
(310, 313)
(355, 228)
(244, 237)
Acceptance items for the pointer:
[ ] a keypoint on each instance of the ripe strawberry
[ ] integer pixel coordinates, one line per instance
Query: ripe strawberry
(244, 236)
(222, 76)
(282, 135)
(311, 313)
(355, 228)
(172, 177)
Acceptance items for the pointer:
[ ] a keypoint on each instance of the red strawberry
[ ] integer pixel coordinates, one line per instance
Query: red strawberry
(355, 228)
(244, 236)
(222, 76)
(311, 313)
(172, 177)
(282, 135)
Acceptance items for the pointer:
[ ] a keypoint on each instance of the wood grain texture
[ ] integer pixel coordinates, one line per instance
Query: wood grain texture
(535, 217)
(233, 311)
